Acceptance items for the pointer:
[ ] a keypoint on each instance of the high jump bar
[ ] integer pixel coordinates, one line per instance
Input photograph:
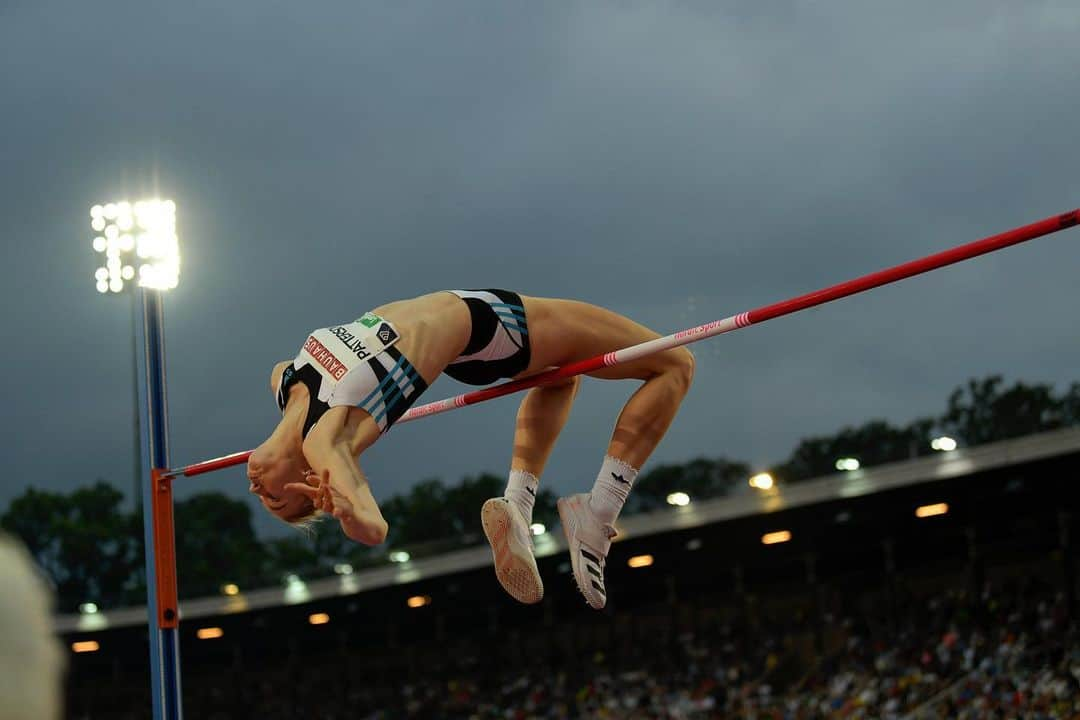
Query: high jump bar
(954, 255)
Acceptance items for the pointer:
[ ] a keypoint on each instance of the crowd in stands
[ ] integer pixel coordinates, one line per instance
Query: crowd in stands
(1009, 652)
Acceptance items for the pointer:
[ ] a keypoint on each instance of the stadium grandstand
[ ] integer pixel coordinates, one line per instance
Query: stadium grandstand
(943, 586)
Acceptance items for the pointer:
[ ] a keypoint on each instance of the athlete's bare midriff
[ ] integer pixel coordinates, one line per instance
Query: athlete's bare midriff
(434, 330)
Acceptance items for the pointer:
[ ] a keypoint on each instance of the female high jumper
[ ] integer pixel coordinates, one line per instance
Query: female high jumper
(350, 382)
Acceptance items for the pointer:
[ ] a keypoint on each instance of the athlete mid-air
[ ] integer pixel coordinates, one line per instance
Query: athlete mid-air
(350, 382)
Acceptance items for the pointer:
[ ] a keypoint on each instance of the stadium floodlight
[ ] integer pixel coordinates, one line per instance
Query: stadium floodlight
(847, 464)
(318, 619)
(418, 601)
(343, 569)
(88, 608)
(230, 589)
(679, 499)
(761, 481)
(538, 528)
(943, 443)
(399, 556)
(209, 633)
(138, 235)
(640, 561)
(85, 646)
(774, 538)
(925, 511)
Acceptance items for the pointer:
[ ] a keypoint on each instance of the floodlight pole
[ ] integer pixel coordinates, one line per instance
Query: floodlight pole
(157, 514)
(136, 454)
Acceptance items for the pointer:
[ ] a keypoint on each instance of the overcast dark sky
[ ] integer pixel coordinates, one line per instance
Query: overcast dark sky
(677, 162)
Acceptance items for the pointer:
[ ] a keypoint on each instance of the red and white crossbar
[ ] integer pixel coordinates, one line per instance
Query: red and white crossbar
(717, 327)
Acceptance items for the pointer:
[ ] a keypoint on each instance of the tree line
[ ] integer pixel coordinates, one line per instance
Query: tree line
(92, 548)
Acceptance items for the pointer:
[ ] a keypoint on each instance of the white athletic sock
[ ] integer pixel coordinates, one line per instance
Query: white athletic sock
(611, 489)
(521, 490)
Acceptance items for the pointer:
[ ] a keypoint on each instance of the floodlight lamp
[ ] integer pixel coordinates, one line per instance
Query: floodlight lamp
(116, 285)
(538, 528)
(101, 274)
(679, 499)
(943, 443)
(847, 464)
(761, 481)
(103, 286)
(155, 242)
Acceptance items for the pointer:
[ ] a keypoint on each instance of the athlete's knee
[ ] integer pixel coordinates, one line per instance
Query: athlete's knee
(682, 367)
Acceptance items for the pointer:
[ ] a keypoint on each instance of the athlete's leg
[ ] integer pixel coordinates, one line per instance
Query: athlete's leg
(540, 419)
(507, 520)
(565, 331)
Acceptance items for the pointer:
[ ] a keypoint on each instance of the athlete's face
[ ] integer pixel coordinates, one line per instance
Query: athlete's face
(269, 474)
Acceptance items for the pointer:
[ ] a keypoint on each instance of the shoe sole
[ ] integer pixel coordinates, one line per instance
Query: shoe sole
(563, 507)
(515, 567)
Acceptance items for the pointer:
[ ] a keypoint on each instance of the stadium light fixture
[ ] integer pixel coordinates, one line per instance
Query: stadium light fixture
(679, 499)
(296, 590)
(762, 481)
(925, 511)
(343, 569)
(88, 608)
(318, 618)
(139, 244)
(418, 601)
(847, 464)
(943, 443)
(640, 561)
(209, 633)
(538, 528)
(774, 538)
(230, 589)
(399, 556)
(85, 646)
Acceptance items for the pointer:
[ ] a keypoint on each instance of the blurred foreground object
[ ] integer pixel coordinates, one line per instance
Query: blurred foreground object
(31, 662)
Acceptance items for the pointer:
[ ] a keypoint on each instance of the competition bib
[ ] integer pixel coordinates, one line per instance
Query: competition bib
(334, 351)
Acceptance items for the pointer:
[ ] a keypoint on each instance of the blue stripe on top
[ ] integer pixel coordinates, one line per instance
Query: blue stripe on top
(385, 380)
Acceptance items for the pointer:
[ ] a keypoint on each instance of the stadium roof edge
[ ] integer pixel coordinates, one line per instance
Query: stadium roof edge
(865, 481)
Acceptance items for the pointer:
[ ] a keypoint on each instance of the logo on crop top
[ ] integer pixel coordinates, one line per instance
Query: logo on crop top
(386, 334)
(370, 320)
(355, 344)
(324, 357)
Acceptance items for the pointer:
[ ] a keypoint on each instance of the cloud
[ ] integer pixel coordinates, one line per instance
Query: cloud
(678, 162)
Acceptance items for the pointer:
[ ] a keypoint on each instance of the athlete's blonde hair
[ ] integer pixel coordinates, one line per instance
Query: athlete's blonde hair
(31, 661)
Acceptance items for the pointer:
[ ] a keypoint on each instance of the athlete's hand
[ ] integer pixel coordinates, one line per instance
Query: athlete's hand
(327, 497)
